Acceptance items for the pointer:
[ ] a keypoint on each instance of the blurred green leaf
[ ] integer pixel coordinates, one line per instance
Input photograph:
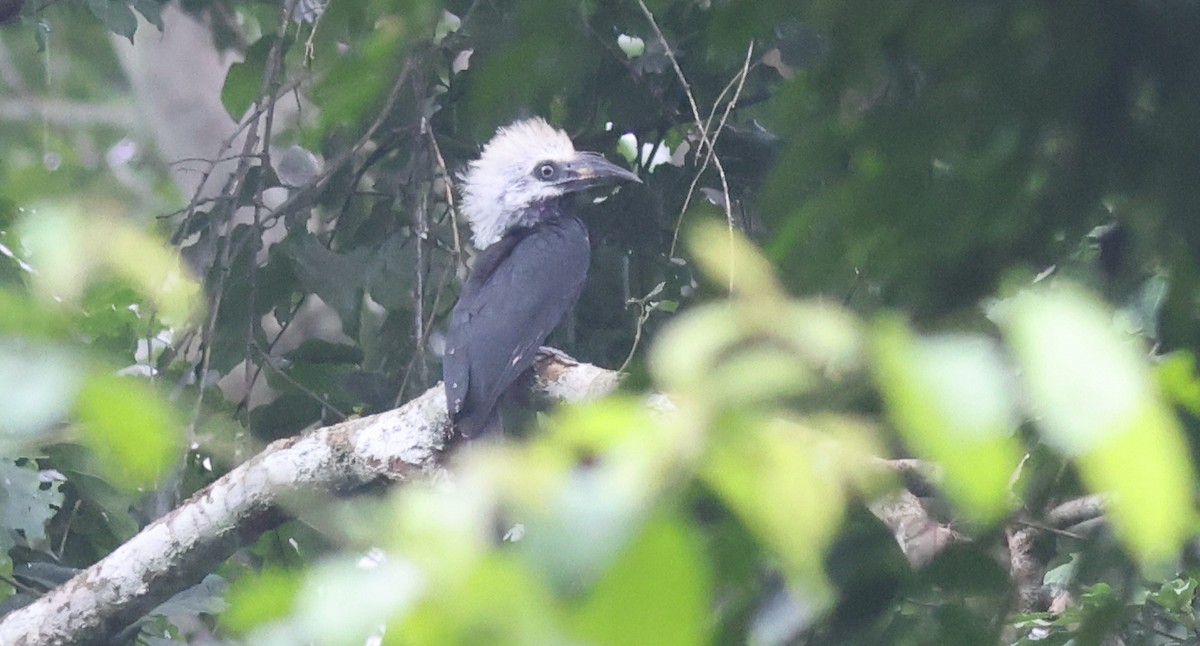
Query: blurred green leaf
(728, 259)
(1095, 402)
(657, 592)
(257, 600)
(38, 384)
(1176, 375)
(356, 80)
(344, 601)
(773, 472)
(951, 399)
(583, 491)
(67, 249)
(244, 80)
(499, 602)
(130, 427)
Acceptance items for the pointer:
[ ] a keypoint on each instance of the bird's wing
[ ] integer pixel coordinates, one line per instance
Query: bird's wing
(520, 290)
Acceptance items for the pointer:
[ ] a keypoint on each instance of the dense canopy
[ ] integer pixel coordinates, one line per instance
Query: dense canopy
(906, 310)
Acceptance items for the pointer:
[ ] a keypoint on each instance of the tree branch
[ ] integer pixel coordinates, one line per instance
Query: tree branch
(919, 536)
(178, 549)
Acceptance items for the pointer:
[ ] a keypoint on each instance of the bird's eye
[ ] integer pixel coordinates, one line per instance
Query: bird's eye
(546, 171)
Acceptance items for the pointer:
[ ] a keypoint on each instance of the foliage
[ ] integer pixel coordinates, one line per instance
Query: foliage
(986, 207)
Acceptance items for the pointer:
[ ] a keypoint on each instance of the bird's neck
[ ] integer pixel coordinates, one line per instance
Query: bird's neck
(527, 217)
(541, 211)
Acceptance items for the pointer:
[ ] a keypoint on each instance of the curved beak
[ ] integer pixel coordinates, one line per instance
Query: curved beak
(590, 169)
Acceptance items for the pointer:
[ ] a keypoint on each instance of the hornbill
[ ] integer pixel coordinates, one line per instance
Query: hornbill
(533, 260)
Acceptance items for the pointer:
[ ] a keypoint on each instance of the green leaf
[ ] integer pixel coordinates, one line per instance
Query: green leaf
(256, 175)
(1176, 595)
(204, 598)
(254, 600)
(390, 279)
(151, 10)
(657, 592)
(773, 473)
(26, 504)
(130, 427)
(499, 602)
(69, 250)
(579, 515)
(116, 15)
(339, 279)
(38, 383)
(356, 81)
(343, 602)
(103, 518)
(243, 82)
(1176, 375)
(286, 415)
(730, 260)
(950, 398)
(1096, 403)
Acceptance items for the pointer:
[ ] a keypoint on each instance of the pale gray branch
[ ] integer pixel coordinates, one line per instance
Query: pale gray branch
(919, 535)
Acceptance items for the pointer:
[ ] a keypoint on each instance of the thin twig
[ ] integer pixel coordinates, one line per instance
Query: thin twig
(233, 188)
(1047, 528)
(270, 80)
(448, 182)
(433, 308)
(704, 137)
(457, 251)
(345, 157)
(419, 274)
(251, 120)
(62, 544)
(736, 83)
(266, 360)
(646, 307)
(643, 316)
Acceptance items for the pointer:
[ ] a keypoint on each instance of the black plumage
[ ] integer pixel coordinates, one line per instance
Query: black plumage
(532, 266)
(518, 292)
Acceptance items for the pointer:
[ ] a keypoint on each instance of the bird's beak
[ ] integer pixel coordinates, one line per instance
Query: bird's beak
(589, 170)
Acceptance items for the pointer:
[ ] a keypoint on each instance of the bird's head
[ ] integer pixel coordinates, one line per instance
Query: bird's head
(526, 163)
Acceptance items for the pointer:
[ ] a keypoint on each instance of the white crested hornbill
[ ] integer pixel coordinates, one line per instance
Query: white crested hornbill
(533, 261)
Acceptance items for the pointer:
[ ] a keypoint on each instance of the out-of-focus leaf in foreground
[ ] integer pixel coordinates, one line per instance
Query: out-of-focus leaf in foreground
(773, 472)
(1095, 402)
(657, 592)
(729, 259)
(950, 397)
(129, 426)
(584, 489)
(759, 346)
(69, 250)
(738, 368)
(38, 382)
(258, 600)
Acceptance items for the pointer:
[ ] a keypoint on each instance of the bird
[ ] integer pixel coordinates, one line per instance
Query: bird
(532, 263)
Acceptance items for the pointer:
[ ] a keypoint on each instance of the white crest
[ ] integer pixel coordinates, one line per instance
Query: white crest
(498, 185)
